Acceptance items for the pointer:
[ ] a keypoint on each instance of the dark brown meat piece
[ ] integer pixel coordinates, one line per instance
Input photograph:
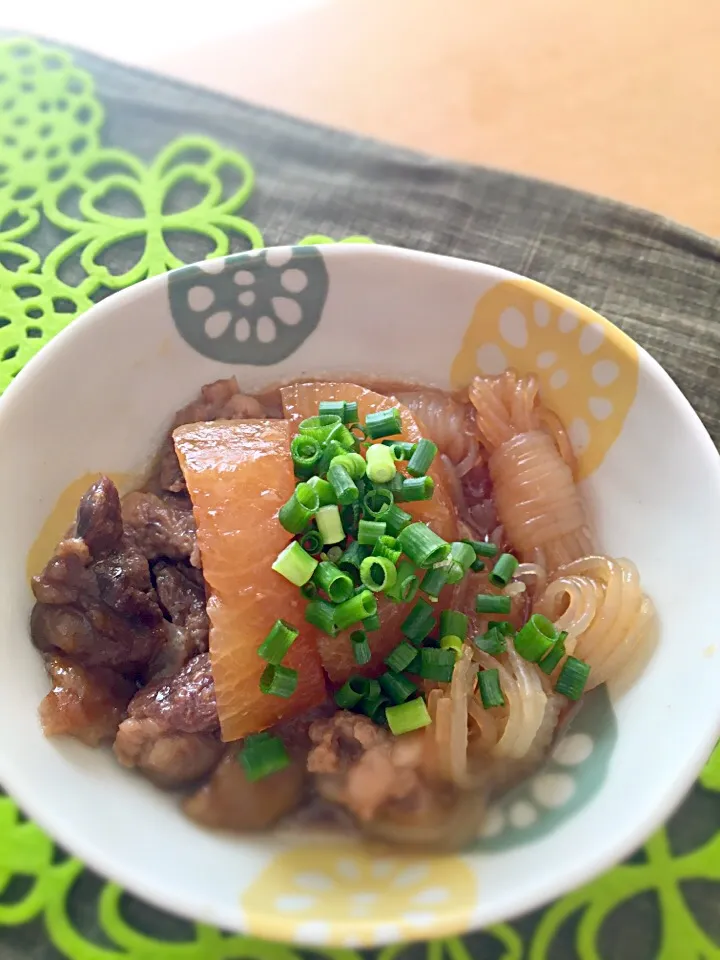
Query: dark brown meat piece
(159, 528)
(172, 729)
(83, 703)
(184, 601)
(96, 601)
(229, 801)
(220, 400)
(361, 766)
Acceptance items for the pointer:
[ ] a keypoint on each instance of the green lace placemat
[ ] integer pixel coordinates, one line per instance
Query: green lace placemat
(108, 176)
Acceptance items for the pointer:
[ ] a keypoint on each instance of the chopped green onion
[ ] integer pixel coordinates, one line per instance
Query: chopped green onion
(336, 584)
(350, 517)
(424, 454)
(483, 548)
(554, 655)
(453, 623)
(332, 408)
(534, 639)
(309, 590)
(383, 423)
(380, 463)
(422, 545)
(416, 488)
(419, 623)
(406, 585)
(374, 708)
(453, 643)
(492, 642)
(278, 641)
(504, 626)
(334, 554)
(351, 411)
(394, 486)
(433, 581)
(353, 463)
(371, 623)
(311, 541)
(360, 647)
(297, 512)
(341, 435)
(263, 755)
(352, 692)
(489, 603)
(396, 519)
(362, 605)
(477, 565)
(305, 451)
(321, 614)
(323, 489)
(387, 547)
(370, 531)
(401, 657)
(401, 449)
(462, 554)
(503, 571)
(373, 690)
(342, 483)
(490, 692)
(295, 564)
(329, 524)
(319, 427)
(437, 664)
(358, 431)
(408, 716)
(278, 681)
(377, 573)
(377, 502)
(331, 450)
(397, 687)
(352, 559)
(573, 677)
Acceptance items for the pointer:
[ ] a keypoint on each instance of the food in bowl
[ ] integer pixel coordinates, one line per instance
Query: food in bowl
(338, 605)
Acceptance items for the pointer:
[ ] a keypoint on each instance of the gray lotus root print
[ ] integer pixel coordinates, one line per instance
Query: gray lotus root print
(254, 308)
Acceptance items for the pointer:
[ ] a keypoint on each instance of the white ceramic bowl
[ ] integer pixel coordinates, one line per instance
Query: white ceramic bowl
(99, 398)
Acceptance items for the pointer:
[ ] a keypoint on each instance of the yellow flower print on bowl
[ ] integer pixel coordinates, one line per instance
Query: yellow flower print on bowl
(346, 895)
(588, 368)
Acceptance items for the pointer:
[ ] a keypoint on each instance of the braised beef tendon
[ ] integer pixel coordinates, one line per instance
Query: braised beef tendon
(183, 600)
(159, 527)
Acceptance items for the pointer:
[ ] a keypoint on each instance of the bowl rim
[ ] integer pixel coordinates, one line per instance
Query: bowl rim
(624, 842)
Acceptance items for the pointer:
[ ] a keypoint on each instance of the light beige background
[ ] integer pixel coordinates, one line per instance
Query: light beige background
(620, 97)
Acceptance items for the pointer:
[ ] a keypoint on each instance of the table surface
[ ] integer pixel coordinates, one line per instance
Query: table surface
(616, 98)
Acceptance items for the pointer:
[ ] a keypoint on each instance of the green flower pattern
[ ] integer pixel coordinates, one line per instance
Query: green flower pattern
(114, 208)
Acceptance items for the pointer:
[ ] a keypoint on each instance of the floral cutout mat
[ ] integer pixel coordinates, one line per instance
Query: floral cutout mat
(80, 217)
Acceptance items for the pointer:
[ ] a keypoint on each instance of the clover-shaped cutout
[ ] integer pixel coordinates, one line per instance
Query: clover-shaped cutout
(255, 308)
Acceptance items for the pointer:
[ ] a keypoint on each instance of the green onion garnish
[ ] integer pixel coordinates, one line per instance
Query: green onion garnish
(342, 483)
(334, 554)
(433, 581)
(463, 555)
(297, 512)
(362, 605)
(489, 603)
(453, 643)
(331, 450)
(319, 427)
(423, 456)
(490, 692)
(493, 642)
(371, 623)
(309, 590)
(408, 716)
(554, 655)
(353, 463)
(419, 623)
(295, 564)
(477, 565)
(483, 548)
(360, 647)
(336, 584)
(352, 559)
(534, 639)
(305, 451)
(504, 626)
(263, 755)
(383, 423)
(374, 707)
(406, 584)
(377, 573)
(453, 623)
(321, 614)
(341, 435)
(311, 541)
(278, 681)
(278, 641)
(573, 678)
(352, 692)
(332, 408)
(396, 519)
(370, 531)
(437, 664)
(377, 502)
(322, 488)
(397, 687)
(380, 463)
(421, 545)
(415, 488)
(387, 547)
(503, 571)
(329, 524)
(350, 517)
(401, 657)
(351, 411)
(401, 449)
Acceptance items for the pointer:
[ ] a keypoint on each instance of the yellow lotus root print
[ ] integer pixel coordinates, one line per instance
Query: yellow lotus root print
(588, 368)
(348, 895)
